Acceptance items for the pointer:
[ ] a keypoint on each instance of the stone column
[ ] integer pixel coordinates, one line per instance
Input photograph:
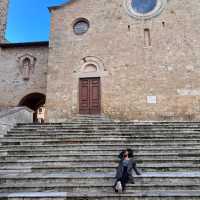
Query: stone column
(3, 19)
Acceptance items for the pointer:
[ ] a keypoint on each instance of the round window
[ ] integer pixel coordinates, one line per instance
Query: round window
(144, 6)
(81, 26)
(145, 9)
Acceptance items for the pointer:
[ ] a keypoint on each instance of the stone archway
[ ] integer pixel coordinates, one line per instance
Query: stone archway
(33, 101)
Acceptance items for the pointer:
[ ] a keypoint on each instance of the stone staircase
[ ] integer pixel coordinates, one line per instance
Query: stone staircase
(77, 160)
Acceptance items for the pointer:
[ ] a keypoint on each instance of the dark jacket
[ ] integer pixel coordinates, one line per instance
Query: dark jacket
(131, 167)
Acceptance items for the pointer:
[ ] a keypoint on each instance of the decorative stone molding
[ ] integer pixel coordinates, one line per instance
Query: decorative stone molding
(91, 67)
(160, 5)
(26, 64)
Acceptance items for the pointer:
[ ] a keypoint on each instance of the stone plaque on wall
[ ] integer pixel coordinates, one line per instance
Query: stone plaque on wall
(151, 99)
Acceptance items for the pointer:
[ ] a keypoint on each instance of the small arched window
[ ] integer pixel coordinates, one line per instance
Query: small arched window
(26, 61)
(26, 68)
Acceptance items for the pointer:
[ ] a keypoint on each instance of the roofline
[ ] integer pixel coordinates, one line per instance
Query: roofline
(59, 6)
(25, 44)
(53, 8)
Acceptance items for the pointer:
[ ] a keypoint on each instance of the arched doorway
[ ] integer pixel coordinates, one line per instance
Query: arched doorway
(90, 77)
(89, 96)
(33, 101)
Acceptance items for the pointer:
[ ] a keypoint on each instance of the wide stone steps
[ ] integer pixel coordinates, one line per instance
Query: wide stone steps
(147, 163)
(97, 146)
(99, 136)
(103, 140)
(144, 195)
(91, 158)
(116, 122)
(182, 152)
(145, 183)
(100, 178)
(59, 186)
(40, 167)
(95, 188)
(107, 130)
(96, 155)
(112, 125)
(77, 160)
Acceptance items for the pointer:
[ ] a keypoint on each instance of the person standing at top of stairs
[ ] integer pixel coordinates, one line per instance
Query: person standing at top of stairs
(124, 170)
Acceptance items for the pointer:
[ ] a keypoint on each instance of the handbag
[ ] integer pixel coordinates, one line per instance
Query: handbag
(118, 186)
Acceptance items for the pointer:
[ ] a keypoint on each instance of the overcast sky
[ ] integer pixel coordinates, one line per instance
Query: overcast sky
(29, 20)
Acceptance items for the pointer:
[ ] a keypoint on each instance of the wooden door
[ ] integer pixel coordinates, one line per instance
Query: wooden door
(89, 96)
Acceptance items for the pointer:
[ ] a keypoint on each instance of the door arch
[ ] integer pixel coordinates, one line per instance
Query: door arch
(33, 101)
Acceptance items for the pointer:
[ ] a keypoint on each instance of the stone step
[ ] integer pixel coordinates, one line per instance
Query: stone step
(101, 140)
(106, 184)
(102, 147)
(114, 131)
(33, 181)
(98, 154)
(106, 132)
(95, 188)
(148, 135)
(85, 161)
(66, 166)
(97, 136)
(106, 129)
(105, 157)
(144, 195)
(102, 143)
(144, 123)
(73, 177)
(109, 131)
(108, 124)
(50, 167)
(111, 152)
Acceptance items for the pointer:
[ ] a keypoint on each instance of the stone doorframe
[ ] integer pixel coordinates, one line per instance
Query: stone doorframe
(89, 67)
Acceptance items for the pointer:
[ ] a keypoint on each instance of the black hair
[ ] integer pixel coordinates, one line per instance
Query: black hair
(121, 155)
(130, 153)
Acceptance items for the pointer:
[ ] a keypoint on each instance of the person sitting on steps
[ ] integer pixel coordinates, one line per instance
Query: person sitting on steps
(124, 170)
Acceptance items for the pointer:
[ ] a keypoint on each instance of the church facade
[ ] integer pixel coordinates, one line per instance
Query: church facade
(126, 59)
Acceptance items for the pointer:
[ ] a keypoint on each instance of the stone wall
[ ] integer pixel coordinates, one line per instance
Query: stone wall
(3, 18)
(13, 85)
(157, 81)
(13, 116)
